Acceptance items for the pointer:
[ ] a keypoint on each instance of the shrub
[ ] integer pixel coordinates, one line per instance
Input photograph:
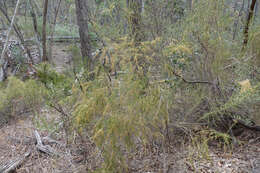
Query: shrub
(18, 96)
(58, 85)
(118, 111)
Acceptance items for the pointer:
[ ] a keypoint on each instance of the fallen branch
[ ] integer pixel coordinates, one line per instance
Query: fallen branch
(56, 39)
(191, 82)
(44, 148)
(50, 140)
(12, 165)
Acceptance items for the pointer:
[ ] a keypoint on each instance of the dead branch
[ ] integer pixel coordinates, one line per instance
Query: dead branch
(44, 148)
(191, 82)
(50, 140)
(56, 39)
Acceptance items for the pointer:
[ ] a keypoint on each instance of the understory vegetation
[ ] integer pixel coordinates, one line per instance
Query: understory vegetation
(179, 72)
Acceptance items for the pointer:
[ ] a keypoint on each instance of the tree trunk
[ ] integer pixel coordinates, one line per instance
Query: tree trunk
(35, 28)
(53, 25)
(82, 20)
(44, 44)
(189, 4)
(135, 9)
(248, 21)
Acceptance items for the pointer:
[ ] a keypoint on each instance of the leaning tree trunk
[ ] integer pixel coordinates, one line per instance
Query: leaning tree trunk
(82, 20)
(44, 44)
(248, 21)
(2, 59)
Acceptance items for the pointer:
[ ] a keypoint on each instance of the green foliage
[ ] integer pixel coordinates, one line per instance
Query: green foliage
(76, 57)
(255, 46)
(66, 30)
(57, 84)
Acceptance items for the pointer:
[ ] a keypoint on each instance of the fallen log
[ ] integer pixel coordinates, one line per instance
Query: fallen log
(12, 165)
(56, 39)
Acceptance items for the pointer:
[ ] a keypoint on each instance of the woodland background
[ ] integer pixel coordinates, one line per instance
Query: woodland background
(130, 86)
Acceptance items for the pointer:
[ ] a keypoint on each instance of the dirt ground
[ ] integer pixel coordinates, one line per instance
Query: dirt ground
(17, 138)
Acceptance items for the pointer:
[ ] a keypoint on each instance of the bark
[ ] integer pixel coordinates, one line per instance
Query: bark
(82, 20)
(44, 44)
(248, 21)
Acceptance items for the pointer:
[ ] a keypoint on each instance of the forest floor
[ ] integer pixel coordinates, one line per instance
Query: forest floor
(17, 137)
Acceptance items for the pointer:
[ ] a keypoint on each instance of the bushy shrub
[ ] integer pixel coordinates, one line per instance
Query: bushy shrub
(18, 96)
(58, 85)
(119, 111)
(190, 77)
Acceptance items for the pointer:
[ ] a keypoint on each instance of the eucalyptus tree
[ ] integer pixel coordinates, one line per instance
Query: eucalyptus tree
(82, 12)
(44, 44)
